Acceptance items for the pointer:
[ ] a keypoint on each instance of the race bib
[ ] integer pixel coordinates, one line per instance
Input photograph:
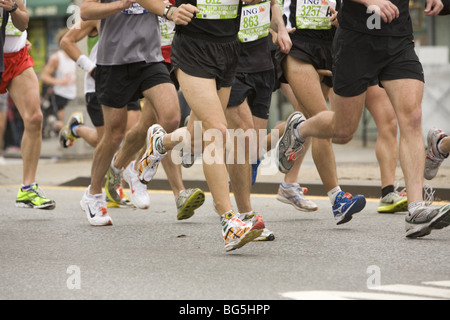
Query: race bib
(217, 9)
(255, 22)
(314, 14)
(11, 30)
(135, 8)
(167, 31)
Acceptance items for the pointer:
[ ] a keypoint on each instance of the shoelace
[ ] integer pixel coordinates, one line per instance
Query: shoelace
(38, 192)
(428, 195)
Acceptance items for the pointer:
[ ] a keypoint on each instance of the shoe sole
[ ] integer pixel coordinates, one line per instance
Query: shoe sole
(250, 236)
(195, 201)
(357, 207)
(286, 135)
(401, 206)
(29, 205)
(270, 237)
(441, 221)
(286, 201)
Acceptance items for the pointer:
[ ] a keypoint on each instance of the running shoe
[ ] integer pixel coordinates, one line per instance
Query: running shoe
(392, 203)
(346, 205)
(251, 219)
(294, 196)
(187, 159)
(151, 159)
(34, 198)
(95, 208)
(236, 233)
(255, 167)
(113, 181)
(434, 158)
(66, 135)
(425, 219)
(125, 201)
(188, 201)
(139, 194)
(289, 147)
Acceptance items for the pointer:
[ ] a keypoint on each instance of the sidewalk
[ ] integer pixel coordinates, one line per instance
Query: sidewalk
(357, 167)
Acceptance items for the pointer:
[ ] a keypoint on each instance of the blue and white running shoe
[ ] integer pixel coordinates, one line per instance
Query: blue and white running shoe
(346, 205)
(255, 171)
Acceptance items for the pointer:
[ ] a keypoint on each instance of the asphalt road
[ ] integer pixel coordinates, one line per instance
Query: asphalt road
(150, 255)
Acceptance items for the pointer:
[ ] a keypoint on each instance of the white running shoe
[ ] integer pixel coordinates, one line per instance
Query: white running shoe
(149, 163)
(293, 195)
(139, 195)
(95, 208)
(434, 158)
(425, 219)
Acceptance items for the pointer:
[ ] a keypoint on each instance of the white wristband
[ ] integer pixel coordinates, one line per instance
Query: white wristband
(85, 63)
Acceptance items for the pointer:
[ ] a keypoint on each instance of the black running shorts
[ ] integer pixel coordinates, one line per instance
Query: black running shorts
(117, 85)
(206, 59)
(95, 111)
(257, 89)
(360, 58)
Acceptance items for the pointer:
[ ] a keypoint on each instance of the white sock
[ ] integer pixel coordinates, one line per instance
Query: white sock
(333, 193)
(286, 185)
(113, 167)
(297, 132)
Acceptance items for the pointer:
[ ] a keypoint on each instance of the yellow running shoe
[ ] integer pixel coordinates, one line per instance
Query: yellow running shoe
(34, 198)
(188, 201)
(392, 203)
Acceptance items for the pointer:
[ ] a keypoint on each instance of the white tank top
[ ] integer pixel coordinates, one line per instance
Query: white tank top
(66, 67)
(15, 39)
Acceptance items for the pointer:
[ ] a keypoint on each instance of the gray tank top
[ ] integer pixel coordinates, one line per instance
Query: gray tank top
(130, 36)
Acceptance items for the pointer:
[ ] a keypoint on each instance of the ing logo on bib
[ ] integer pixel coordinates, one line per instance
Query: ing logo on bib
(314, 14)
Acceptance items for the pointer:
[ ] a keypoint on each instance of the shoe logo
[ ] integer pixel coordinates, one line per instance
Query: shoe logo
(131, 187)
(90, 212)
(292, 156)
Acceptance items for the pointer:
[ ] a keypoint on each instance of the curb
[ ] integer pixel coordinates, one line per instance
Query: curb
(369, 191)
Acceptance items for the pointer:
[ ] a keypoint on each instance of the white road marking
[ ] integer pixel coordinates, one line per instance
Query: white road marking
(416, 290)
(433, 290)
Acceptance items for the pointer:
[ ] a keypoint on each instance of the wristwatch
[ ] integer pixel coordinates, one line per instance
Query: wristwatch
(166, 11)
(14, 8)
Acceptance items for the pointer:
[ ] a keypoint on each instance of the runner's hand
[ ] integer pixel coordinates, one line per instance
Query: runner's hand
(284, 41)
(184, 14)
(333, 19)
(434, 7)
(7, 4)
(386, 9)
